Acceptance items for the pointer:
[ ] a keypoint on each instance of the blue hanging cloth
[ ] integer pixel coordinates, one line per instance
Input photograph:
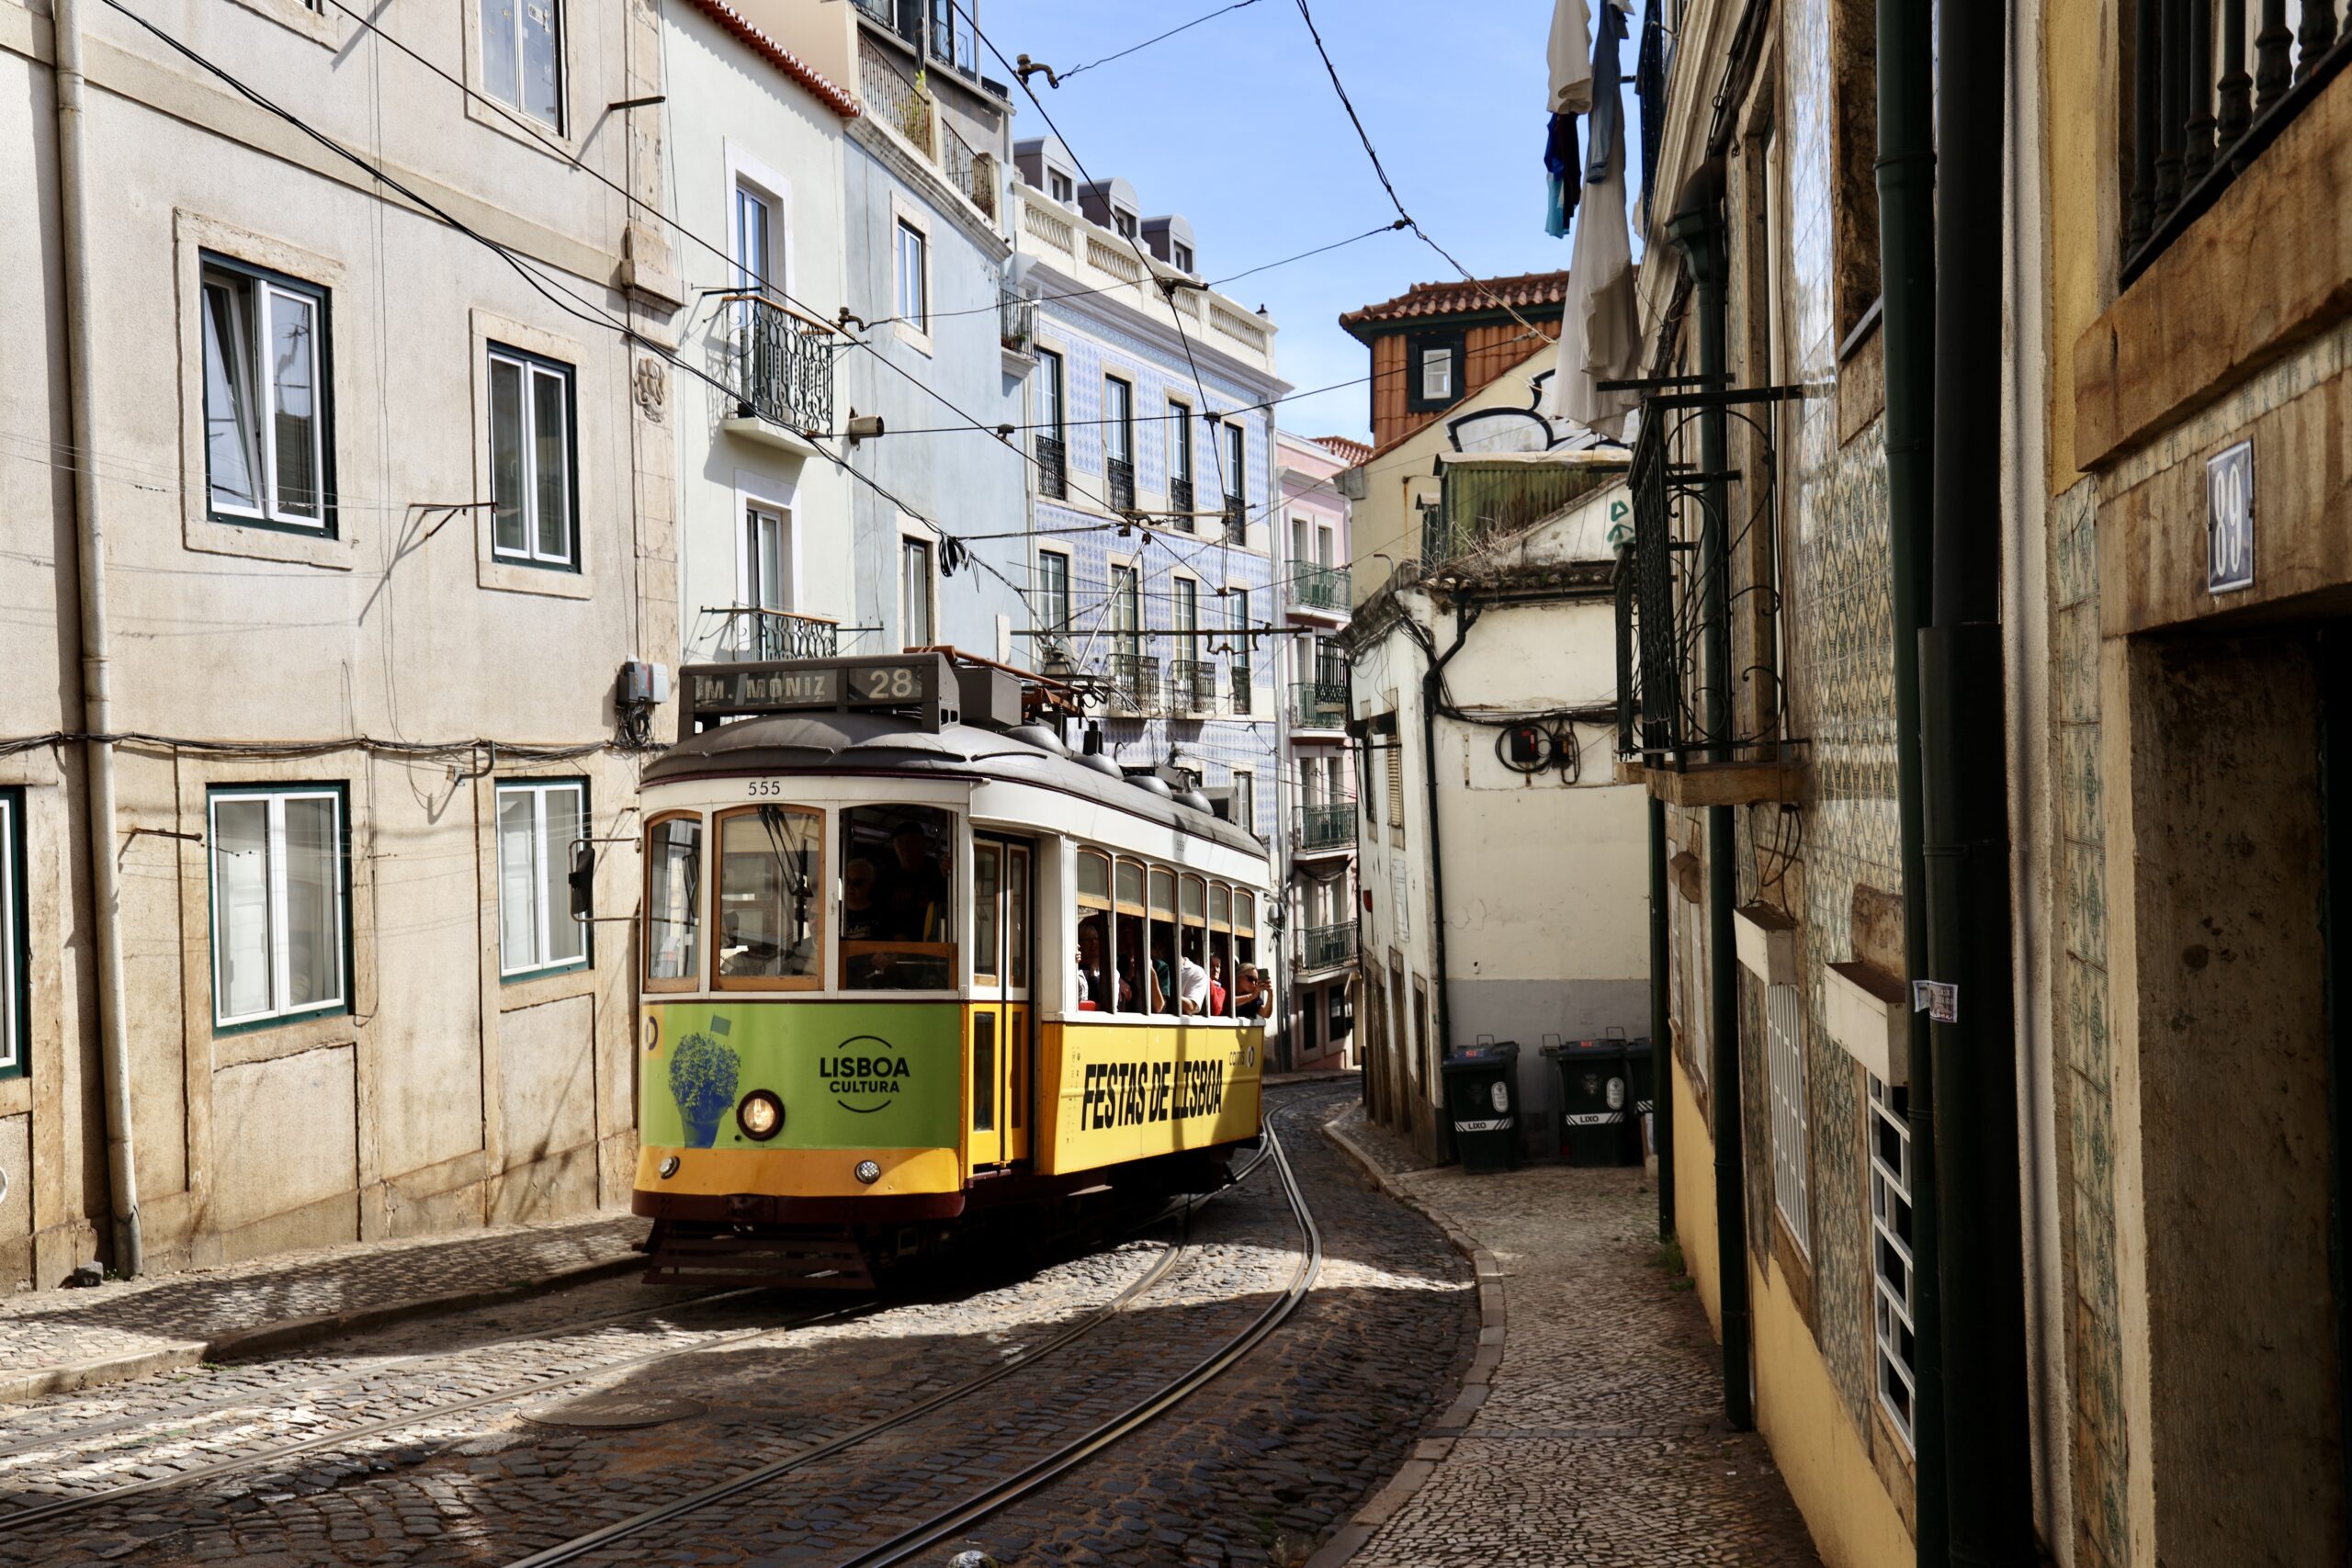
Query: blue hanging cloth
(1566, 170)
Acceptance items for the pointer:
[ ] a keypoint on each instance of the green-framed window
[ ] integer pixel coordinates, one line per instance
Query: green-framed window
(281, 902)
(268, 398)
(16, 948)
(538, 821)
(534, 461)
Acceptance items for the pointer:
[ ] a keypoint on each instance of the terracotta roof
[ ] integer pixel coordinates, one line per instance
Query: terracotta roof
(1348, 450)
(734, 21)
(1524, 291)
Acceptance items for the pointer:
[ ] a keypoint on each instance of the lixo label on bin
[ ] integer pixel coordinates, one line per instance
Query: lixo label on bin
(1496, 1125)
(1594, 1118)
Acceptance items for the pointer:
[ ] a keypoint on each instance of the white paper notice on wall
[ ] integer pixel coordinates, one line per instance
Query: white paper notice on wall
(1939, 999)
(2229, 519)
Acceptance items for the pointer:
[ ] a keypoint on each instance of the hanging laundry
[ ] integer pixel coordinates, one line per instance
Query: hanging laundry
(1565, 171)
(1570, 58)
(1600, 323)
(1649, 90)
(1608, 94)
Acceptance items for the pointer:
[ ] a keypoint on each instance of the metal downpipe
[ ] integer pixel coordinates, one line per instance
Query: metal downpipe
(1697, 228)
(1987, 1424)
(1906, 188)
(1661, 1024)
(98, 707)
(1432, 684)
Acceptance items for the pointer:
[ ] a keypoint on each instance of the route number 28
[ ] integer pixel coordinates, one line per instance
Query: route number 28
(898, 685)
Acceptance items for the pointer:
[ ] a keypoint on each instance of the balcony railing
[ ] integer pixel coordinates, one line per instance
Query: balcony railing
(1134, 679)
(969, 169)
(1017, 322)
(1180, 502)
(2194, 122)
(1325, 947)
(785, 363)
(755, 633)
(1236, 514)
(1318, 705)
(1243, 691)
(1319, 587)
(892, 99)
(1327, 825)
(1479, 502)
(1053, 468)
(1192, 685)
(1121, 472)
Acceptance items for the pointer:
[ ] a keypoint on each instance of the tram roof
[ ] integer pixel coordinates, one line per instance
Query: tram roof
(891, 743)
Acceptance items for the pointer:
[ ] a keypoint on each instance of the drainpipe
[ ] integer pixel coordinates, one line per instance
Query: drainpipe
(1432, 683)
(1697, 228)
(1988, 1473)
(1661, 1025)
(98, 709)
(1906, 209)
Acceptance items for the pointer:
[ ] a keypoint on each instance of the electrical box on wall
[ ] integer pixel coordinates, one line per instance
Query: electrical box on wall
(645, 682)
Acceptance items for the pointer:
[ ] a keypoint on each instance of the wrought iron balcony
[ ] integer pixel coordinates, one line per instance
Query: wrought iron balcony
(969, 169)
(1134, 680)
(1325, 947)
(785, 361)
(1243, 692)
(1236, 514)
(1121, 472)
(1319, 587)
(1180, 502)
(1327, 825)
(754, 633)
(892, 98)
(1017, 322)
(1192, 685)
(1318, 705)
(1053, 468)
(2192, 115)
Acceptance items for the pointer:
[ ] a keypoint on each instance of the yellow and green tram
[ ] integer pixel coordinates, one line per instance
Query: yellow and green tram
(909, 970)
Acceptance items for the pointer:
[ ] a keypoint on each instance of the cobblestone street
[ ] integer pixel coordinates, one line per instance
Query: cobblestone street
(444, 1438)
(1600, 1439)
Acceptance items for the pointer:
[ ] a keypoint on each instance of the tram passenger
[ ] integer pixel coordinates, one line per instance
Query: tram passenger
(861, 916)
(1094, 973)
(1187, 987)
(1216, 986)
(1250, 993)
(917, 898)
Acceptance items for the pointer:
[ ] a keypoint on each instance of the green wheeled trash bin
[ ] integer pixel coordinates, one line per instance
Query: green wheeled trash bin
(1597, 1122)
(1482, 1099)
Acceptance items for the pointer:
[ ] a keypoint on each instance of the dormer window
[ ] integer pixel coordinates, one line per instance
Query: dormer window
(1059, 186)
(1183, 254)
(1433, 369)
(1437, 372)
(1123, 221)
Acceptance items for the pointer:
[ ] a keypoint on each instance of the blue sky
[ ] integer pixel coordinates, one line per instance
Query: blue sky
(1234, 124)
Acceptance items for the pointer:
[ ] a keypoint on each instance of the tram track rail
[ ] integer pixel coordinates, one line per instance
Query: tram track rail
(946, 1522)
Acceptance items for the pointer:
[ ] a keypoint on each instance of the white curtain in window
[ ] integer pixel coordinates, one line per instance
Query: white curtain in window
(518, 879)
(509, 533)
(241, 879)
(562, 824)
(314, 896)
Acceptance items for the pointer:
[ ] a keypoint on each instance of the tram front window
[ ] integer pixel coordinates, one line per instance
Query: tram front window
(897, 899)
(770, 867)
(674, 904)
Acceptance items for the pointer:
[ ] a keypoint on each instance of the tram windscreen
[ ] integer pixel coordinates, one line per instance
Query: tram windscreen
(674, 902)
(771, 865)
(897, 899)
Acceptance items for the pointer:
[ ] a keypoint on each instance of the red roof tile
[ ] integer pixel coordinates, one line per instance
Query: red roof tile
(775, 54)
(1526, 291)
(1348, 450)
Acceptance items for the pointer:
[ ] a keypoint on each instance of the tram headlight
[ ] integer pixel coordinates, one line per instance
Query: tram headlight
(868, 1172)
(761, 1115)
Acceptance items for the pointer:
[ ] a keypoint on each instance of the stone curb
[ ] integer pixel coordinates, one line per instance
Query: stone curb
(289, 1333)
(1476, 1383)
(1315, 1075)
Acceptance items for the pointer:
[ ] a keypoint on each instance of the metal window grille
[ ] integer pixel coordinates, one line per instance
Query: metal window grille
(1890, 1136)
(1785, 1034)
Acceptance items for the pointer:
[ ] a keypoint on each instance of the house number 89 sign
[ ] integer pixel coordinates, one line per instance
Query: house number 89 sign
(2229, 519)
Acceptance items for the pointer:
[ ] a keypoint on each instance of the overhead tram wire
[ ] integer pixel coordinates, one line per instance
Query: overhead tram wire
(765, 284)
(1058, 79)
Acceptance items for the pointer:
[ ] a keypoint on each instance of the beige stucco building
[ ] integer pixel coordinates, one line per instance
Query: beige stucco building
(384, 489)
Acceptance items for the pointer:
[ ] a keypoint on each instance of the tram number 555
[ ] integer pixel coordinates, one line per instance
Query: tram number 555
(888, 684)
(759, 789)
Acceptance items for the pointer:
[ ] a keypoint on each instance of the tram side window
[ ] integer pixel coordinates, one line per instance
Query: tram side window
(897, 899)
(1095, 966)
(1127, 942)
(1164, 988)
(1195, 991)
(1252, 986)
(674, 904)
(771, 880)
(1221, 950)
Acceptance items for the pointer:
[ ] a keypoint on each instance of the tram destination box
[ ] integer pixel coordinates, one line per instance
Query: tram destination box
(924, 683)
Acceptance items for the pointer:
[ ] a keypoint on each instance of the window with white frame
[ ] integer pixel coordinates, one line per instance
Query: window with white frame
(1127, 613)
(1890, 1135)
(762, 557)
(280, 917)
(522, 56)
(1185, 594)
(755, 243)
(1237, 473)
(914, 277)
(537, 824)
(532, 461)
(1060, 187)
(267, 444)
(1784, 1038)
(1182, 254)
(1053, 590)
(1437, 373)
(914, 594)
(15, 950)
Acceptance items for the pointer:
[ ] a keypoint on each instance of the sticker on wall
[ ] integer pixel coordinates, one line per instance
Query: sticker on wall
(2229, 519)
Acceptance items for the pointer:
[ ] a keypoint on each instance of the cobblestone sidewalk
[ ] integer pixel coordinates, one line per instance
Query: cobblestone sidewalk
(53, 1341)
(1599, 1437)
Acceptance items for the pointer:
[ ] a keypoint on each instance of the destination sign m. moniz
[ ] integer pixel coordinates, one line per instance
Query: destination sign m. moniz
(716, 693)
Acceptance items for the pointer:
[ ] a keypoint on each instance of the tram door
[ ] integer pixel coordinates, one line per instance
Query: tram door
(1001, 1051)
